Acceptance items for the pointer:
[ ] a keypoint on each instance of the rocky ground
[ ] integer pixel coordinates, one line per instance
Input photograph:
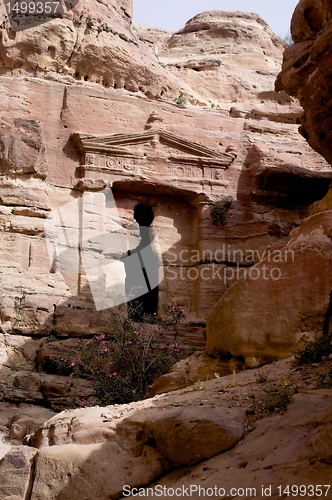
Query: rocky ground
(217, 432)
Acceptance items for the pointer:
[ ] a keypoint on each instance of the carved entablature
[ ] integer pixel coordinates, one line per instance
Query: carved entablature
(154, 156)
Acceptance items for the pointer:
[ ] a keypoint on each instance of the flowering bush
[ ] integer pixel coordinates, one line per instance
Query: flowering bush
(123, 363)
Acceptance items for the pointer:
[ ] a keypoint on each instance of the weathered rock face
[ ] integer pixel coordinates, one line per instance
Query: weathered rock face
(322, 205)
(17, 463)
(92, 42)
(306, 72)
(126, 6)
(263, 460)
(230, 57)
(29, 376)
(100, 131)
(197, 367)
(244, 325)
(179, 161)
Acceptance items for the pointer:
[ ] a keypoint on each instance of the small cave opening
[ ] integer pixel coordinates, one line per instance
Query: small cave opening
(143, 271)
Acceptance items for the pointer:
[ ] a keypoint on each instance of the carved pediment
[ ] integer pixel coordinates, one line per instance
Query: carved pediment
(151, 144)
(155, 157)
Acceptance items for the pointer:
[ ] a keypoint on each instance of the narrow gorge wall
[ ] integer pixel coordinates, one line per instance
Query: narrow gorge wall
(235, 141)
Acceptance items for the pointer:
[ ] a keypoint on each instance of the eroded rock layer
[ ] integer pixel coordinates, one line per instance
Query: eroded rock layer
(92, 105)
(67, 121)
(306, 72)
(281, 312)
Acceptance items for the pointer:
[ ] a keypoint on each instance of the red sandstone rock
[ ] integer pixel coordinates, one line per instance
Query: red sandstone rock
(306, 71)
(266, 175)
(282, 299)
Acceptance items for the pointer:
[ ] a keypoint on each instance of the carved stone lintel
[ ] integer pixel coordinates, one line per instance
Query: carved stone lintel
(154, 154)
(127, 145)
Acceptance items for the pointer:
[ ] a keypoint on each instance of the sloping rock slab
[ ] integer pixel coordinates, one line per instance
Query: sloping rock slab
(87, 454)
(290, 449)
(188, 435)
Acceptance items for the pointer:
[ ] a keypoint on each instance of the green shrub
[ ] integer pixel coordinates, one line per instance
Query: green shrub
(261, 378)
(325, 379)
(313, 352)
(277, 399)
(219, 214)
(181, 100)
(16, 382)
(51, 338)
(122, 364)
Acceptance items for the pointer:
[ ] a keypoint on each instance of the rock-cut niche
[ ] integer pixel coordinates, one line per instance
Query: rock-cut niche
(136, 280)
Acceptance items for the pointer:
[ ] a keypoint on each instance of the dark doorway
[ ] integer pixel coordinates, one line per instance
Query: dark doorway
(143, 215)
(143, 270)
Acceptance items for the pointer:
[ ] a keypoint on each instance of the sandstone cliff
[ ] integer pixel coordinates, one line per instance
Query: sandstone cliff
(304, 75)
(89, 72)
(86, 93)
(306, 71)
(176, 121)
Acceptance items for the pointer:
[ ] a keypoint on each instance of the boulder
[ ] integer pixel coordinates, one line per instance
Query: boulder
(186, 372)
(185, 436)
(26, 420)
(126, 445)
(97, 471)
(281, 300)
